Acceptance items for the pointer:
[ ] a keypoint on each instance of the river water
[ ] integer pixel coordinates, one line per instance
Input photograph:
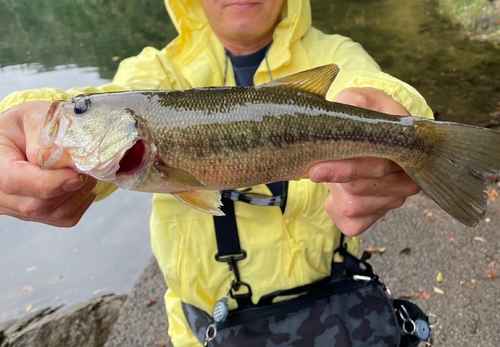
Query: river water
(66, 43)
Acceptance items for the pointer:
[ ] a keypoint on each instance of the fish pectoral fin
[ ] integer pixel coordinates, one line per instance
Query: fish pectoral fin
(204, 200)
(179, 176)
(316, 81)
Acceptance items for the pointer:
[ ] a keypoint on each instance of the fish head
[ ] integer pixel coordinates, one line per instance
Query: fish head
(92, 137)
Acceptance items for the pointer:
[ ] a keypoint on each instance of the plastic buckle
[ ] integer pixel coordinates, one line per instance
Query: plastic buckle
(244, 299)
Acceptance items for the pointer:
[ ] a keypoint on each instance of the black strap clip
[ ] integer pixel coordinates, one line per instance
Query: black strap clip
(231, 261)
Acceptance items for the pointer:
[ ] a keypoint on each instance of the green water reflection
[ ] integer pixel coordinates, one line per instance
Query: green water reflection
(459, 78)
(86, 33)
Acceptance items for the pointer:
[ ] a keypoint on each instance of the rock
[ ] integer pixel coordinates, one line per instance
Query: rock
(143, 320)
(4, 326)
(84, 325)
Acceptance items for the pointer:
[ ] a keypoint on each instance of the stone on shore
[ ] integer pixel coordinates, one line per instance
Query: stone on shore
(84, 325)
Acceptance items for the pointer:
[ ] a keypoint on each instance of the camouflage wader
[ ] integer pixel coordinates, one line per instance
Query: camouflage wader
(346, 313)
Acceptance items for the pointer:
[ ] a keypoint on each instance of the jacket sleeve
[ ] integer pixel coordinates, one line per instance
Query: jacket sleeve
(148, 70)
(358, 69)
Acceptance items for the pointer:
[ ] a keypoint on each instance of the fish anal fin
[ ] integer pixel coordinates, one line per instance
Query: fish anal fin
(317, 80)
(208, 201)
(179, 177)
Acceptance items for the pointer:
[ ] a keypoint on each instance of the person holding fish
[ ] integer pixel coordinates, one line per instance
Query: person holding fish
(220, 43)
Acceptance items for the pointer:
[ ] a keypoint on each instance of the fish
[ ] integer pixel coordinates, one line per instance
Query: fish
(198, 142)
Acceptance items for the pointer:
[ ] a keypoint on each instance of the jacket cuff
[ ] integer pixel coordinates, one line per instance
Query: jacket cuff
(400, 91)
(24, 96)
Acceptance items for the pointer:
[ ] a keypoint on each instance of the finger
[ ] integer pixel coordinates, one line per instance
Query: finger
(397, 184)
(350, 226)
(73, 203)
(67, 222)
(372, 99)
(25, 179)
(47, 209)
(347, 170)
(354, 206)
(77, 214)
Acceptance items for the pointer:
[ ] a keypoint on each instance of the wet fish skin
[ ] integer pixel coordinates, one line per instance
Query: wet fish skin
(212, 139)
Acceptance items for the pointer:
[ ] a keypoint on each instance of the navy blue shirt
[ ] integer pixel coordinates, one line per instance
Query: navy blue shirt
(245, 66)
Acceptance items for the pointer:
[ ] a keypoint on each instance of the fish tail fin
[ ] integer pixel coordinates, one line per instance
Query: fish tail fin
(454, 172)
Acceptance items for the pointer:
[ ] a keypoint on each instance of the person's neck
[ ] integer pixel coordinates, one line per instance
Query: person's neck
(239, 48)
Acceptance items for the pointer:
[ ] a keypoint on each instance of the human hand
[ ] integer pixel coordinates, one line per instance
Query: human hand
(54, 197)
(362, 190)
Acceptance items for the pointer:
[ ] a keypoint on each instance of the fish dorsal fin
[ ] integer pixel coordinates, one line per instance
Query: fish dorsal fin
(317, 80)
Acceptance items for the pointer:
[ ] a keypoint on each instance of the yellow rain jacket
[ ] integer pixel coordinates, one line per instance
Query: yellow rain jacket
(284, 250)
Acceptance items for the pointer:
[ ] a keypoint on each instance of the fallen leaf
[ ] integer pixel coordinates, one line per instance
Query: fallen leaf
(431, 219)
(422, 294)
(440, 277)
(491, 274)
(29, 307)
(163, 343)
(375, 250)
(493, 194)
(438, 290)
(150, 302)
(466, 284)
(480, 239)
(405, 251)
(29, 288)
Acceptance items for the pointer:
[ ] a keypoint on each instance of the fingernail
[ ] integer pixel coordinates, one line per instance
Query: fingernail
(75, 183)
(322, 174)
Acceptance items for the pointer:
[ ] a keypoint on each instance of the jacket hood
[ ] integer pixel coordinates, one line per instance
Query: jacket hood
(194, 30)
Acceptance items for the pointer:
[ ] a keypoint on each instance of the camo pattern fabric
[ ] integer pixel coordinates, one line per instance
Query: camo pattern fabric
(363, 316)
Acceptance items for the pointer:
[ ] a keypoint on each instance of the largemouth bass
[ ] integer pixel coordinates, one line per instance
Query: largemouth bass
(194, 143)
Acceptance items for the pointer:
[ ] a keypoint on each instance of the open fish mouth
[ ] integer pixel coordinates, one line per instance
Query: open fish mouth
(133, 159)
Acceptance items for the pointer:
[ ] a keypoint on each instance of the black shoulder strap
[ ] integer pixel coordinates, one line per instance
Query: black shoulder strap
(226, 233)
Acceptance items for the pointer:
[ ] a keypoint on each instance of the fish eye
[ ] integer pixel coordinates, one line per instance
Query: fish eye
(82, 105)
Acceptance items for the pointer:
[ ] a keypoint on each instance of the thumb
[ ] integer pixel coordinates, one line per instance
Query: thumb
(372, 99)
